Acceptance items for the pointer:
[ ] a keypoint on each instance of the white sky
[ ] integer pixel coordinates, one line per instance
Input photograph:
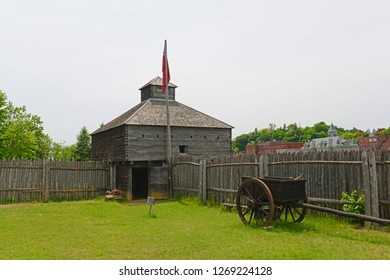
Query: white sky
(248, 63)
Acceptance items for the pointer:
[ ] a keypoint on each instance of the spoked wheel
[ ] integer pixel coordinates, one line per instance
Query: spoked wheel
(291, 212)
(255, 204)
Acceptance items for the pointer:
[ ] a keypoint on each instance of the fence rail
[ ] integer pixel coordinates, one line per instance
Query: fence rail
(328, 174)
(24, 181)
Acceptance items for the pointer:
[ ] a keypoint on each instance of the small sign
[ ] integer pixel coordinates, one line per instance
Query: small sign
(150, 200)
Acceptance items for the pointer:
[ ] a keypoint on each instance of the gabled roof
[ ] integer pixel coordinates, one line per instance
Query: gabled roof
(152, 112)
(157, 82)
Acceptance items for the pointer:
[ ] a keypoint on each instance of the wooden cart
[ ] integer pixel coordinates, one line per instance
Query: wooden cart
(261, 200)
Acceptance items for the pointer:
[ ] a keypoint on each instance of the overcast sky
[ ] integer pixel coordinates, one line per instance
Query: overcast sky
(248, 63)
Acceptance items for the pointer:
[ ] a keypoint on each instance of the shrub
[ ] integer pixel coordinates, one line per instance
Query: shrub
(355, 202)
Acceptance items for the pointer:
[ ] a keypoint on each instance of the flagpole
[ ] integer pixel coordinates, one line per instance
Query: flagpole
(169, 140)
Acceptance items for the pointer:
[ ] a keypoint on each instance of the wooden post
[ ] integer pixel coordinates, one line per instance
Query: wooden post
(200, 183)
(366, 188)
(373, 185)
(266, 161)
(112, 175)
(168, 131)
(261, 166)
(45, 180)
(203, 181)
(129, 194)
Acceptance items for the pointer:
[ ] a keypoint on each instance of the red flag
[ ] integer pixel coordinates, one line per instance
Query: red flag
(165, 69)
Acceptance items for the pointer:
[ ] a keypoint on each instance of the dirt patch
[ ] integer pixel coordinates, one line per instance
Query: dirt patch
(137, 202)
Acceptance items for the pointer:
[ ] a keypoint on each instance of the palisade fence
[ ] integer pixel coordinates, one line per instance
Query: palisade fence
(44, 180)
(327, 173)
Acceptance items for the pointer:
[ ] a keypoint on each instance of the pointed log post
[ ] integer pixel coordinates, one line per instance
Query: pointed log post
(373, 186)
(46, 180)
(366, 188)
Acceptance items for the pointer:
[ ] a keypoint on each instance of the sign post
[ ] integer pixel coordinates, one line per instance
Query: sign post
(150, 200)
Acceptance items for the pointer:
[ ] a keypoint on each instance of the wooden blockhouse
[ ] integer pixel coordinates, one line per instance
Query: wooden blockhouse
(135, 142)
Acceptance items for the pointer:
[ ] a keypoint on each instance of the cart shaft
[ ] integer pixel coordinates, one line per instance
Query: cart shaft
(345, 214)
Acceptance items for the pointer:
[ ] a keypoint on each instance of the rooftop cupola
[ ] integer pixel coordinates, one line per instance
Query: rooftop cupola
(153, 89)
(332, 132)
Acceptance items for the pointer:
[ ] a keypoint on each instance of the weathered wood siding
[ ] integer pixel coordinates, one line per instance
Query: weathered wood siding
(145, 143)
(158, 182)
(123, 176)
(110, 144)
(154, 91)
(148, 143)
(328, 174)
(186, 179)
(224, 176)
(22, 181)
(383, 182)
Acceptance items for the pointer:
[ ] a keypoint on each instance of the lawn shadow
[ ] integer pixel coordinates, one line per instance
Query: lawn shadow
(279, 226)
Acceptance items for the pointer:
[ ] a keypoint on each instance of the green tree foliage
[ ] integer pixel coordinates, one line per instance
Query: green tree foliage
(83, 149)
(293, 133)
(383, 131)
(61, 152)
(320, 130)
(21, 133)
(240, 142)
(353, 133)
(3, 110)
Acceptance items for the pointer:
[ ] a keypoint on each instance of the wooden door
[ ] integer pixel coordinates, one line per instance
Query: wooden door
(159, 182)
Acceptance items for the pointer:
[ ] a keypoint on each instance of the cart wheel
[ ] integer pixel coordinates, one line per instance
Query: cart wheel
(291, 212)
(255, 202)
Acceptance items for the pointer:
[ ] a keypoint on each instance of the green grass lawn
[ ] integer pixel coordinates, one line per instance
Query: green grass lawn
(181, 229)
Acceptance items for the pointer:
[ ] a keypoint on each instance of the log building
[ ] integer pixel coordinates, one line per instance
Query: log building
(135, 142)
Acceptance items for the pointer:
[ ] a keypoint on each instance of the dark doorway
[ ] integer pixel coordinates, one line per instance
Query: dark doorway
(140, 182)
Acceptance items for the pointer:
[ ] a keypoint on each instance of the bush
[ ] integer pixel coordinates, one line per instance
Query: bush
(355, 202)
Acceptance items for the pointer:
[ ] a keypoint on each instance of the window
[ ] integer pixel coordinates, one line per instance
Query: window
(183, 149)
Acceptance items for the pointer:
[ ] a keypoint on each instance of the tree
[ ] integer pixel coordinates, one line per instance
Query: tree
(83, 150)
(21, 133)
(320, 130)
(293, 133)
(384, 131)
(61, 152)
(240, 142)
(3, 110)
(353, 133)
(278, 135)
